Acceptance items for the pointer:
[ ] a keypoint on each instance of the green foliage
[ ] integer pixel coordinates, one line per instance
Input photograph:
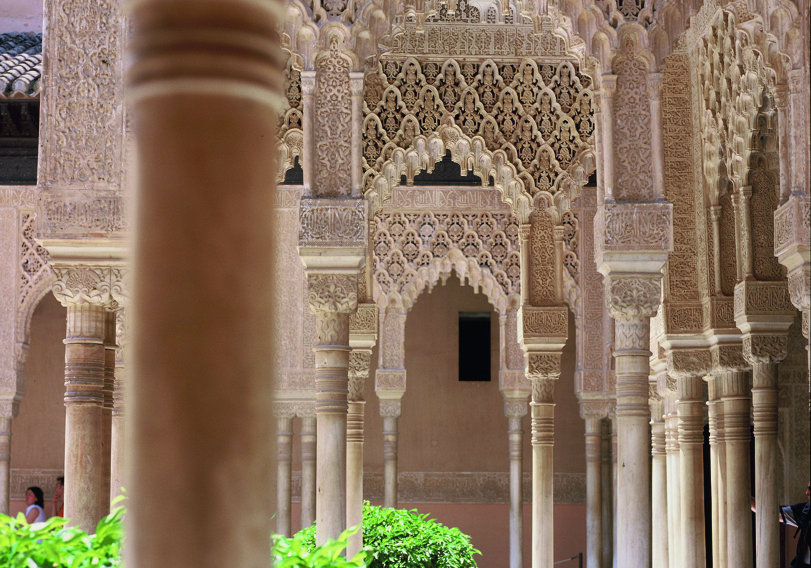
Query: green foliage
(53, 545)
(295, 553)
(398, 538)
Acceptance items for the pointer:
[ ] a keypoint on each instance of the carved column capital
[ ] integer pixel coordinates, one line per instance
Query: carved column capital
(764, 349)
(390, 408)
(632, 297)
(594, 409)
(728, 358)
(356, 83)
(359, 363)
(543, 391)
(655, 85)
(86, 284)
(284, 410)
(608, 86)
(683, 363)
(543, 366)
(307, 83)
(332, 293)
(515, 407)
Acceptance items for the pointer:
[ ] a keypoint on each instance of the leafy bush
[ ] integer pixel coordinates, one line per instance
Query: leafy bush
(397, 538)
(53, 545)
(294, 553)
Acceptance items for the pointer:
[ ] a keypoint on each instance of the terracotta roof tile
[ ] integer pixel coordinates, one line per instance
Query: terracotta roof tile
(20, 65)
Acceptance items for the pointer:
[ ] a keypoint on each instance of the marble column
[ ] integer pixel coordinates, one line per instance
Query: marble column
(84, 383)
(332, 298)
(360, 361)
(117, 481)
(110, 345)
(593, 413)
(715, 419)
(515, 410)
(5, 457)
(764, 352)
(690, 409)
(204, 116)
(308, 468)
(632, 300)
(284, 468)
(543, 440)
(737, 409)
(660, 550)
(390, 412)
(608, 487)
(672, 458)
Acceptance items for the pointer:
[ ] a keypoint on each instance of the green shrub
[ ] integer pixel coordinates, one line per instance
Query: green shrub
(52, 545)
(295, 553)
(397, 538)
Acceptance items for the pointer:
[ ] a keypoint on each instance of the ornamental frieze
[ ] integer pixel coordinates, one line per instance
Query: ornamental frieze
(73, 213)
(635, 227)
(545, 322)
(332, 222)
(387, 380)
(762, 298)
(429, 198)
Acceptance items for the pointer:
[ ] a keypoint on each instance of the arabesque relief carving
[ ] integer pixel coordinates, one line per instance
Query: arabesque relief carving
(411, 250)
(544, 322)
(541, 115)
(100, 285)
(332, 222)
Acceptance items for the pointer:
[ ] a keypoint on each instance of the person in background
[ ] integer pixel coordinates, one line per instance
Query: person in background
(35, 500)
(59, 498)
(799, 515)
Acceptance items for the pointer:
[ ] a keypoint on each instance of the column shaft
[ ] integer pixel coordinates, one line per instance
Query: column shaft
(204, 115)
(284, 477)
(308, 469)
(543, 433)
(331, 406)
(5, 462)
(607, 486)
(691, 471)
(594, 498)
(767, 455)
(659, 535)
(717, 472)
(84, 381)
(515, 436)
(354, 474)
(107, 411)
(390, 461)
(117, 482)
(736, 439)
(673, 481)
(633, 479)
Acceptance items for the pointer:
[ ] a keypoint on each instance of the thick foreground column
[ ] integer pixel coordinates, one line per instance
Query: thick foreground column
(691, 474)
(736, 438)
(203, 80)
(308, 468)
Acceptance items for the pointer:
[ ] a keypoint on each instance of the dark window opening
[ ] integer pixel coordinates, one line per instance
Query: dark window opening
(474, 346)
(295, 175)
(19, 128)
(446, 172)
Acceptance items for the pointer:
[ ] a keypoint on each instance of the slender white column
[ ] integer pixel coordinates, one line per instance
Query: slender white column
(354, 474)
(594, 458)
(331, 406)
(308, 468)
(201, 421)
(5, 457)
(515, 410)
(767, 454)
(390, 411)
(284, 463)
(117, 481)
(543, 434)
(84, 380)
(736, 439)
(609, 85)
(691, 473)
(657, 145)
(715, 418)
(607, 486)
(673, 478)
(110, 345)
(659, 537)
